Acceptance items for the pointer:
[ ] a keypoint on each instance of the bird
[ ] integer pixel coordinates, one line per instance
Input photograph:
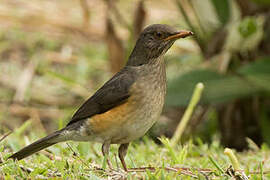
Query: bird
(127, 105)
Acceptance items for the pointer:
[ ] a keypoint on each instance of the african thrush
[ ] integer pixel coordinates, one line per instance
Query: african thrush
(127, 105)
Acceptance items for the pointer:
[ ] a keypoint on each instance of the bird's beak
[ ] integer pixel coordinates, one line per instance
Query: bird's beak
(179, 34)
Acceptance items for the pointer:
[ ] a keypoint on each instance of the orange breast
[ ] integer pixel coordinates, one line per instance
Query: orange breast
(112, 118)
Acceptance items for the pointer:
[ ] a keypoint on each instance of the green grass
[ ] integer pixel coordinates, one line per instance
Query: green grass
(194, 159)
(74, 160)
(60, 84)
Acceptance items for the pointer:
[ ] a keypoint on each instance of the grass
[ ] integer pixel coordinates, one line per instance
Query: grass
(192, 160)
(73, 160)
(68, 68)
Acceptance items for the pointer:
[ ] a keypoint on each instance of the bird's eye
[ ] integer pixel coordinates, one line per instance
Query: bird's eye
(158, 35)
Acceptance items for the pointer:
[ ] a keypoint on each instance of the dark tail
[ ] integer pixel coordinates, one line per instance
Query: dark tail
(38, 145)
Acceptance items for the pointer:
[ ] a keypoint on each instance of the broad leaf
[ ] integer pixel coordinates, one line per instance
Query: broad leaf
(258, 73)
(250, 79)
(218, 88)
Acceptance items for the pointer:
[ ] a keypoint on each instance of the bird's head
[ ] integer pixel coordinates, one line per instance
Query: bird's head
(153, 42)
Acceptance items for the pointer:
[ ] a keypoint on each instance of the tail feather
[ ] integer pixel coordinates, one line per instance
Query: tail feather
(38, 145)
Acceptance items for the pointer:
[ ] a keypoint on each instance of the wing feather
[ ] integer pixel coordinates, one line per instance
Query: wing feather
(113, 93)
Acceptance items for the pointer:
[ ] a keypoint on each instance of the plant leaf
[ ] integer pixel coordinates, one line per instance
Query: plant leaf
(247, 27)
(218, 88)
(258, 73)
(222, 8)
(252, 79)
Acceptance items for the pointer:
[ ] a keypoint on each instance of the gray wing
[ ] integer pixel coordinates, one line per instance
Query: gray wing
(113, 93)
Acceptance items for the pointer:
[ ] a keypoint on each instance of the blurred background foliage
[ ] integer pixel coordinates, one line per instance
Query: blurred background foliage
(55, 54)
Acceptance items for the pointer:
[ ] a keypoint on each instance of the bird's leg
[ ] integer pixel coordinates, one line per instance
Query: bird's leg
(105, 152)
(122, 151)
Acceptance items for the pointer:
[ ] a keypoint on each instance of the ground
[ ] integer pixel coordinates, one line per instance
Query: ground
(147, 160)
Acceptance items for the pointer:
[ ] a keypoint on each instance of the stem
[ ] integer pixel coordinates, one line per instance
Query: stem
(186, 117)
(233, 159)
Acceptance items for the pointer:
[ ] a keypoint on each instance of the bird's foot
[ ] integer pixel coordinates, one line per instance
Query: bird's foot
(109, 164)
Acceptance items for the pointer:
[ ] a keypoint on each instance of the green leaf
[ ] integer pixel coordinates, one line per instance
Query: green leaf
(218, 88)
(258, 73)
(170, 149)
(247, 27)
(222, 8)
(182, 155)
(250, 79)
(23, 127)
(215, 163)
